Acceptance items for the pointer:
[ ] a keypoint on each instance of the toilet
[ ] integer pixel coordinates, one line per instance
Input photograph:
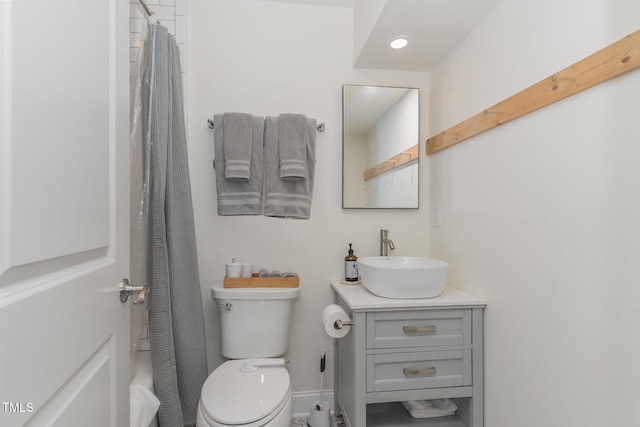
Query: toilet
(253, 388)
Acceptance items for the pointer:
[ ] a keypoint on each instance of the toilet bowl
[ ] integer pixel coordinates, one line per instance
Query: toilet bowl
(231, 396)
(234, 395)
(254, 388)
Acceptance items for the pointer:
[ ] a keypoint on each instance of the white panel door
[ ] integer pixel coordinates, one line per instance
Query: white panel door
(64, 245)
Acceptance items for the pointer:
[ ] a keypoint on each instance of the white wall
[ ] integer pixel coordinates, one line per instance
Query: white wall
(355, 187)
(268, 58)
(542, 216)
(394, 133)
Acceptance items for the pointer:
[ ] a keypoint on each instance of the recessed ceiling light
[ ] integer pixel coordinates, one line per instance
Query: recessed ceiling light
(398, 43)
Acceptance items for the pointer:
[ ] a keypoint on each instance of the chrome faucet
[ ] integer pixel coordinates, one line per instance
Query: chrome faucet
(385, 243)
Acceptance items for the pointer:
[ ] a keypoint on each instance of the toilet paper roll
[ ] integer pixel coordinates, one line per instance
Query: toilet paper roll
(330, 315)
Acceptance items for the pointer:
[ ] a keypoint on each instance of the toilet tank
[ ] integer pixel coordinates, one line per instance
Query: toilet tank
(254, 322)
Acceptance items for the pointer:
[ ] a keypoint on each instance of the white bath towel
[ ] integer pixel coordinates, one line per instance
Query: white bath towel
(430, 408)
(143, 406)
(283, 198)
(237, 146)
(292, 146)
(237, 197)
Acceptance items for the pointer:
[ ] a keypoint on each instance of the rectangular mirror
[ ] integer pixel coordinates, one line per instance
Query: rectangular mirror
(380, 131)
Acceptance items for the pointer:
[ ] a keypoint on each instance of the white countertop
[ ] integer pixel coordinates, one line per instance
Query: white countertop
(359, 298)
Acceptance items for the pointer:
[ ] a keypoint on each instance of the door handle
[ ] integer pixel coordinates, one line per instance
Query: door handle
(126, 290)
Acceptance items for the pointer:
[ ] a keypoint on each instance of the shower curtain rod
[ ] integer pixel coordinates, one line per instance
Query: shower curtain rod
(148, 12)
(146, 8)
(320, 127)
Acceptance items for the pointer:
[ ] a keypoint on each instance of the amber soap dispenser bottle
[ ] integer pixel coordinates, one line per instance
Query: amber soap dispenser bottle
(351, 266)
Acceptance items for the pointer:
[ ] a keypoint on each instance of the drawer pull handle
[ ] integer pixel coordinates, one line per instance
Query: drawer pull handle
(428, 371)
(418, 329)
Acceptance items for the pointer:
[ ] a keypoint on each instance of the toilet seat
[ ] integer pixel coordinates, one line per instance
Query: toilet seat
(231, 396)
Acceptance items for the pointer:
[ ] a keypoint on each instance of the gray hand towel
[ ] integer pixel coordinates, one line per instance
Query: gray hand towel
(287, 199)
(237, 146)
(292, 146)
(237, 197)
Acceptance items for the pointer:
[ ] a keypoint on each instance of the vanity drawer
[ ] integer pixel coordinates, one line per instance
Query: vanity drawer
(420, 328)
(417, 370)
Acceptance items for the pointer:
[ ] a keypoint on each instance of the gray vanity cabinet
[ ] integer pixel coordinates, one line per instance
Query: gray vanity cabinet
(399, 350)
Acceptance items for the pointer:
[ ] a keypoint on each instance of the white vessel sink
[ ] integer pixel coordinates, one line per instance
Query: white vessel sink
(403, 277)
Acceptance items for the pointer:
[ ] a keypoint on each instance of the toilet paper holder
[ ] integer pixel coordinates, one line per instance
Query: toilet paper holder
(338, 324)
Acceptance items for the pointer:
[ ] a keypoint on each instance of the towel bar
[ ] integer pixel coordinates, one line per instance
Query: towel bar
(320, 127)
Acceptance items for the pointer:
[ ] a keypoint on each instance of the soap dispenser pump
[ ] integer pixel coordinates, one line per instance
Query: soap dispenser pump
(351, 266)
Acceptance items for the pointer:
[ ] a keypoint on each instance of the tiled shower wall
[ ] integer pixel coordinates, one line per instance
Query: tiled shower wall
(170, 13)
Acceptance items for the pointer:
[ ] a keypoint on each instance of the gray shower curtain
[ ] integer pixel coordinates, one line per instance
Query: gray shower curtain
(176, 324)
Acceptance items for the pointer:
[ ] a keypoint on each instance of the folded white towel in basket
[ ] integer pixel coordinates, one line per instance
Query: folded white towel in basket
(430, 408)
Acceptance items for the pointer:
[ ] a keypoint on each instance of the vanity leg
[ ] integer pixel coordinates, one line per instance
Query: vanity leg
(477, 402)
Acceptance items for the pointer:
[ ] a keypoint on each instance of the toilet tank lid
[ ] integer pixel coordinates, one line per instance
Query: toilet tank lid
(220, 292)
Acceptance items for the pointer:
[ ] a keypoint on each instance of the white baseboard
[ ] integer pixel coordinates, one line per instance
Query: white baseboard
(304, 400)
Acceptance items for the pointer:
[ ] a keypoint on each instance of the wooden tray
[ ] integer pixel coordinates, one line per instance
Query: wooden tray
(261, 282)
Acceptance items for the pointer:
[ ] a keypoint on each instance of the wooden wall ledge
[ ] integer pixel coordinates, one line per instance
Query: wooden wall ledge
(612, 61)
(396, 161)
